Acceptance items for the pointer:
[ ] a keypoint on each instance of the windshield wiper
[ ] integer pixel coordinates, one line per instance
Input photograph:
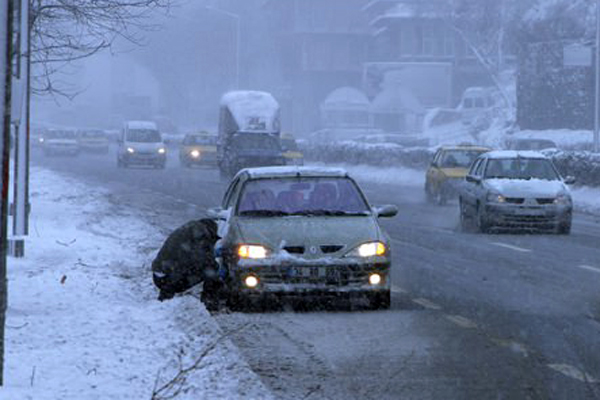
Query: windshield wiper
(328, 213)
(263, 213)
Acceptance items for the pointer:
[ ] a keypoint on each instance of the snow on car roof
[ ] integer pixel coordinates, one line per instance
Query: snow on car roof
(246, 106)
(141, 125)
(514, 154)
(287, 171)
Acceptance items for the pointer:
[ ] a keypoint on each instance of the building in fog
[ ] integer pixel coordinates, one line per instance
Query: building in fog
(319, 46)
(412, 40)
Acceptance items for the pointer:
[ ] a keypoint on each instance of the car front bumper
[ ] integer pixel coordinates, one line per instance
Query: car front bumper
(145, 158)
(203, 159)
(312, 278)
(525, 216)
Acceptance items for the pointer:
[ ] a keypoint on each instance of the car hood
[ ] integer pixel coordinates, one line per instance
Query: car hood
(145, 147)
(527, 188)
(309, 232)
(454, 172)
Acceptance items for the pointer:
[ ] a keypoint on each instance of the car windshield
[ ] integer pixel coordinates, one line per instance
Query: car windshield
(254, 141)
(301, 196)
(459, 158)
(206, 140)
(520, 168)
(143, 136)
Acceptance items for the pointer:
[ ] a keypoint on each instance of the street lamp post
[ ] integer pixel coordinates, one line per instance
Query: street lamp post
(238, 40)
(597, 96)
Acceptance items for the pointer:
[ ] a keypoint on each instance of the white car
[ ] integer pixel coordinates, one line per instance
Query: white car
(510, 189)
(60, 142)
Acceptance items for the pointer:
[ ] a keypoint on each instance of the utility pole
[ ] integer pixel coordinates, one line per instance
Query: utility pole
(20, 205)
(597, 96)
(6, 19)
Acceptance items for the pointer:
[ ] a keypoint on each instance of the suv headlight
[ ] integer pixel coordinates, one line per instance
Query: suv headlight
(370, 249)
(252, 251)
(195, 153)
(495, 197)
(130, 150)
(162, 150)
(563, 199)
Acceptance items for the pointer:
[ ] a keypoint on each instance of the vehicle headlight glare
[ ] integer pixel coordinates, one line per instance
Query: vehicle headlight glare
(162, 150)
(251, 281)
(130, 150)
(371, 249)
(195, 153)
(375, 279)
(252, 251)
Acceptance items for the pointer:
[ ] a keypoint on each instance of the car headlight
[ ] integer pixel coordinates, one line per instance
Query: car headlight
(495, 197)
(130, 150)
(562, 199)
(195, 153)
(162, 150)
(370, 249)
(252, 251)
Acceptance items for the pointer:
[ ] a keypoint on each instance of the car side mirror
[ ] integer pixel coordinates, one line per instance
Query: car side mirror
(473, 179)
(387, 211)
(218, 213)
(570, 180)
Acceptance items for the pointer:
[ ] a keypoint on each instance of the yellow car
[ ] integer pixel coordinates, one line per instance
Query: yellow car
(198, 149)
(291, 153)
(448, 170)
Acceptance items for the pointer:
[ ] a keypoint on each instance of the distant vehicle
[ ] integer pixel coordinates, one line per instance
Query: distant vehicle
(198, 149)
(93, 141)
(447, 171)
(249, 131)
(475, 103)
(304, 231)
(60, 142)
(509, 189)
(37, 137)
(530, 144)
(141, 144)
(291, 152)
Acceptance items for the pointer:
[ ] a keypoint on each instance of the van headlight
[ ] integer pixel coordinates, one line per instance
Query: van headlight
(162, 150)
(370, 249)
(195, 153)
(252, 251)
(130, 150)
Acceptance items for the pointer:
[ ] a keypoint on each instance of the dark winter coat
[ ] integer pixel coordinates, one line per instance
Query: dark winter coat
(185, 258)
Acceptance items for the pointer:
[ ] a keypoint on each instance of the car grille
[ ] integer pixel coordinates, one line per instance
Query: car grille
(294, 249)
(515, 200)
(545, 200)
(338, 275)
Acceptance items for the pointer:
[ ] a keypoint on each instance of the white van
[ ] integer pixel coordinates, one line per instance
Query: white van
(141, 143)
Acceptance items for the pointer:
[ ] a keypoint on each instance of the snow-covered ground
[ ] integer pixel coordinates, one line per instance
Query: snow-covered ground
(83, 321)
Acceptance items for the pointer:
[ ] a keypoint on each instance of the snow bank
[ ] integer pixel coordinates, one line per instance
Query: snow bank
(83, 322)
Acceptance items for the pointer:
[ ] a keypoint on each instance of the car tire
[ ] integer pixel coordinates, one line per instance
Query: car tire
(379, 300)
(483, 225)
(466, 221)
(440, 198)
(428, 195)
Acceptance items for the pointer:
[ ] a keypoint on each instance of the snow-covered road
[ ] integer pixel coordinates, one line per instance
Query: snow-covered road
(473, 316)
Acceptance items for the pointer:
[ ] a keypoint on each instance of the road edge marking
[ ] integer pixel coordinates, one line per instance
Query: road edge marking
(512, 247)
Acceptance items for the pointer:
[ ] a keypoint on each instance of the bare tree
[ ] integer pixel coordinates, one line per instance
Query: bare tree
(63, 31)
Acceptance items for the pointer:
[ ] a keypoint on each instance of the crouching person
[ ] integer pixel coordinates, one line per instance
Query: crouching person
(186, 258)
